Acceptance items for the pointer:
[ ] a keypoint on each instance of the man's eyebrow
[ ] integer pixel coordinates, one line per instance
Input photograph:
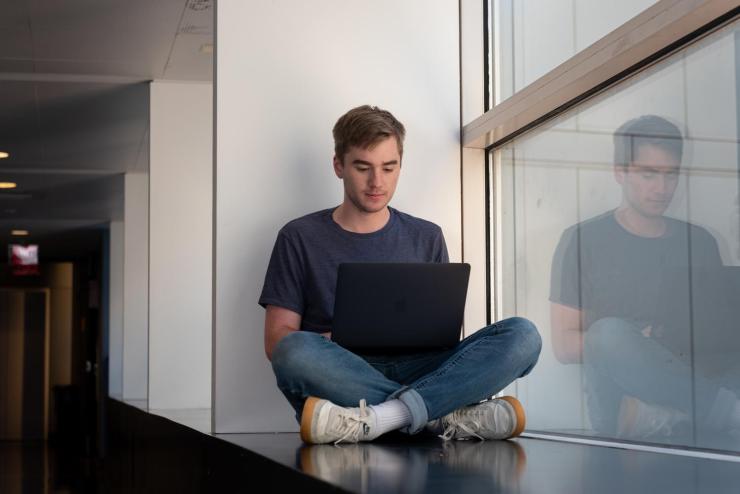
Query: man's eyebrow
(367, 163)
(651, 169)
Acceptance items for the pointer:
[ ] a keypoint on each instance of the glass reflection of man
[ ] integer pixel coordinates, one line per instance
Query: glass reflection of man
(610, 281)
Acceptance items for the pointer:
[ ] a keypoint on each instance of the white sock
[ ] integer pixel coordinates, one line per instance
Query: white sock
(391, 415)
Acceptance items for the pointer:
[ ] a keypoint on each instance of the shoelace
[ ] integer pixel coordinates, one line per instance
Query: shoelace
(353, 425)
(458, 422)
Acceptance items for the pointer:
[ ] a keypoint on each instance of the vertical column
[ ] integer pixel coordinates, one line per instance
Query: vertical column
(136, 286)
(115, 311)
(181, 213)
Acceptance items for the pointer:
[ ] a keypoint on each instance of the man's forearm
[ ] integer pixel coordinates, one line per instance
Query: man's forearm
(568, 346)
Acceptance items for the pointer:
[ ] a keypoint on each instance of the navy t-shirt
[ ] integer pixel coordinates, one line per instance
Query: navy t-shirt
(302, 274)
(605, 271)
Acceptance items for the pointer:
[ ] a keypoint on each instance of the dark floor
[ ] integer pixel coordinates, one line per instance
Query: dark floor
(36, 467)
(431, 465)
(151, 453)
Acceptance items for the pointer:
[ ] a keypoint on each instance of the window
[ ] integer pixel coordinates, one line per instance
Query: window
(531, 37)
(617, 231)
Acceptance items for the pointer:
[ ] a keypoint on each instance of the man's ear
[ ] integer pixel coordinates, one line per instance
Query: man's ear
(338, 167)
(619, 172)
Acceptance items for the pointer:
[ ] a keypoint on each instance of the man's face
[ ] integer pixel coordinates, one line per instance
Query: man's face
(649, 181)
(370, 175)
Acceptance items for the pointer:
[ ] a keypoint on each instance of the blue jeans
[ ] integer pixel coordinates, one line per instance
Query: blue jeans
(431, 384)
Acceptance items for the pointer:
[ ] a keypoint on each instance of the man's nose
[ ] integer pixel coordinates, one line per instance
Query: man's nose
(665, 182)
(376, 178)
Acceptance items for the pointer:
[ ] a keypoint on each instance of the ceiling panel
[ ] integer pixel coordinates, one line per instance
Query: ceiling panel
(14, 14)
(20, 134)
(88, 198)
(188, 62)
(135, 34)
(15, 43)
(8, 65)
(97, 126)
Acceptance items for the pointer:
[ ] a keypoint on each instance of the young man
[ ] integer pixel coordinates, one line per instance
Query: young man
(325, 382)
(616, 303)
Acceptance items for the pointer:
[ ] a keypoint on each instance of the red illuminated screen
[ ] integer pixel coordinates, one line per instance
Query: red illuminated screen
(24, 259)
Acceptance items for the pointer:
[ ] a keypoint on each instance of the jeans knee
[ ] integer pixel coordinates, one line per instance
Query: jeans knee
(604, 335)
(287, 352)
(529, 341)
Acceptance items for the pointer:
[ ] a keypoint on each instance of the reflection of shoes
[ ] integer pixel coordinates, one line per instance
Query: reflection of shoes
(638, 419)
(499, 418)
(505, 460)
(324, 422)
(365, 467)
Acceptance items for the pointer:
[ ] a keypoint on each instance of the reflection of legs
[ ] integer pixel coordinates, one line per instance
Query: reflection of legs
(366, 467)
(620, 361)
(307, 364)
(502, 461)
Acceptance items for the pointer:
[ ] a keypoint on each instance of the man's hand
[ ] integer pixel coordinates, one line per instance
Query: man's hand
(279, 322)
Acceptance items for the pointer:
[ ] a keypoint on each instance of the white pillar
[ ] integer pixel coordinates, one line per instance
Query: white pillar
(135, 286)
(115, 310)
(180, 274)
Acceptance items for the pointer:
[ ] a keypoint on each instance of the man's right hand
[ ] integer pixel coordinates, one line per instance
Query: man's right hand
(279, 322)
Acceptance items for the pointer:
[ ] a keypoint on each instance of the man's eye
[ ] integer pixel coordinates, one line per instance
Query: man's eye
(362, 168)
(388, 169)
(648, 175)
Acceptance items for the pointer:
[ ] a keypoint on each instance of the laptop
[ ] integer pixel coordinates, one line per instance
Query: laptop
(699, 305)
(399, 307)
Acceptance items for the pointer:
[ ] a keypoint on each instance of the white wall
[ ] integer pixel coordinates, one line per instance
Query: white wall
(285, 72)
(115, 310)
(181, 212)
(135, 286)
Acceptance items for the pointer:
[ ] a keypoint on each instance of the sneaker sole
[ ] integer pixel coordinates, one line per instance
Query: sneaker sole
(521, 419)
(307, 418)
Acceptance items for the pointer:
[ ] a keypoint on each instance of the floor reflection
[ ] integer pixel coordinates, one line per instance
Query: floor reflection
(465, 466)
(31, 467)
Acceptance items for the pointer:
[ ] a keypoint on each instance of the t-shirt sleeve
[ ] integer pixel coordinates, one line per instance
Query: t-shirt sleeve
(284, 280)
(440, 248)
(565, 276)
(704, 249)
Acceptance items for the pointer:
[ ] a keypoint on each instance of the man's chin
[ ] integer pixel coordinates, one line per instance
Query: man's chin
(374, 209)
(653, 212)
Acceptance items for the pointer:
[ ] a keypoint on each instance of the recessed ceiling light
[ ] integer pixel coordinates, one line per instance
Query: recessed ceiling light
(3, 154)
(8, 185)
(206, 48)
(19, 233)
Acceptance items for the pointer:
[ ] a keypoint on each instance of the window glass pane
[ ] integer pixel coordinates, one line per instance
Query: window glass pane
(532, 37)
(620, 240)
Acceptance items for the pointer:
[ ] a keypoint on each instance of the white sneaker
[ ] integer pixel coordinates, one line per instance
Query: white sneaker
(324, 422)
(355, 466)
(499, 418)
(638, 420)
